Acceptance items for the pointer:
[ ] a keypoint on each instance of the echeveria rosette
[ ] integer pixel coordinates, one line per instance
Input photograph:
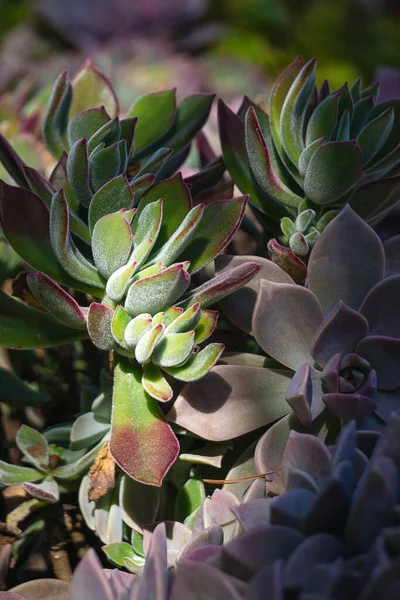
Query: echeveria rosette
(341, 333)
(313, 152)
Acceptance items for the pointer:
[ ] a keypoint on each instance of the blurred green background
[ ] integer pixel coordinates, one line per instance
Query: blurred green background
(237, 44)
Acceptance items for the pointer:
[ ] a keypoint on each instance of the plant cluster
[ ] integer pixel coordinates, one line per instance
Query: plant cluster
(131, 265)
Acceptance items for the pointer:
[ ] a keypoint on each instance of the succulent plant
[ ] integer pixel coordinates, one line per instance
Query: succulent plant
(332, 532)
(314, 151)
(103, 227)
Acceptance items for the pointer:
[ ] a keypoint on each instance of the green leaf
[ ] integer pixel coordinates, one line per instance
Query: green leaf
(91, 88)
(361, 114)
(176, 205)
(220, 286)
(120, 321)
(343, 130)
(333, 170)
(306, 155)
(54, 129)
(34, 447)
(155, 114)
(119, 281)
(24, 327)
(147, 343)
(12, 163)
(108, 134)
(77, 469)
(136, 328)
(185, 321)
(197, 366)
(142, 443)
(14, 475)
(189, 498)
(292, 119)
(374, 135)
(86, 123)
(147, 223)
(190, 117)
(261, 164)
(155, 384)
(154, 164)
(15, 392)
(99, 322)
(87, 430)
(39, 185)
(64, 248)
(56, 301)
(181, 238)
(206, 325)
(323, 120)
(113, 196)
(111, 242)
(173, 349)
(78, 172)
(117, 551)
(105, 165)
(152, 294)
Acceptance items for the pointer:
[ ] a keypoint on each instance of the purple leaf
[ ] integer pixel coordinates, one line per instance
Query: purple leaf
(381, 308)
(383, 353)
(304, 394)
(337, 271)
(201, 580)
(285, 320)
(99, 322)
(89, 579)
(349, 406)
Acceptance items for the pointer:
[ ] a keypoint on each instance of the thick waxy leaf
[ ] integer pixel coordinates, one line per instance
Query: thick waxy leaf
(261, 163)
(226, 283)
(230, 401)
(87, 430)
(105, 165)
(198, 365)
(69, 256)
(137, 328)
(55, 121)
(75, 470)
(374, 135)
(78, 172)
(323, 120)
(206, 325)
(277, 98)
(39, 185)
(113, 196)
(185, 321)
(346, 278)
(190, 117)
(46, 490)
(202, 580)
(14, 475)
(334, 168)
(155, 383)
(155, 114)
(99, 322)
(25, 327)
(284, 322)
(239, 306)
(15, 392)
(152, 294)
(189, 498)
(25, 222)
(56, 301)
(147, 223)
(12, 162)
(109, 134)
(155, 163)
(383, 353)
(173, 349)
(117, 551)
(294, 109)
(91, 88)
(40, 588)
(147, 343)
(90, 579)
(380, 305)
(86, 123)
(111, 242)
(141, 443)
(176, 205)
(305, 158)
(34, 446)
(189, 229)
(119, 323)
(119, 281)
(376, 197)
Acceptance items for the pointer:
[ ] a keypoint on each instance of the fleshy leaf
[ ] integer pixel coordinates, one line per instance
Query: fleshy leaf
(230, 401)
(139, 503)
(155, 383)
(117, 551)
(111, 242)
(155, 114)
(323, 120)
(55, 121)
(148, 222)
(56, 301)
(220, 286)
(148, 342)
(141, 443)
(86, 123)
(285, 320)
(46, 490)
(119, 323)
(25, 327)
(346, 277)
(145, 296)
(189, 498)
(119, 281)
(173, 349)
(14, 475)
(34, 446)
(12, 163)
(261, 164)
(91, 88)
(15, 392)
(137, 328)
(334, 168)
(113, 196)
(78, 172)
(206, 325)
(109, 134)
(185, 321)
(105, 165)
(373, 136)
(190, 117)
(99, 322)
(198, 365)
(87, 430)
